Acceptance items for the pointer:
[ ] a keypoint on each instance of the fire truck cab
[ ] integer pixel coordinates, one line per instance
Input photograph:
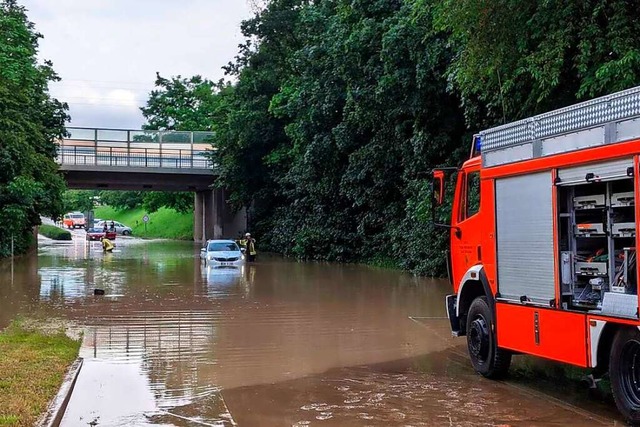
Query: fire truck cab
(543, 243)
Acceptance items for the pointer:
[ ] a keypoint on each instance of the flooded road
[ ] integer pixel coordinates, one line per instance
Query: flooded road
(275, 343)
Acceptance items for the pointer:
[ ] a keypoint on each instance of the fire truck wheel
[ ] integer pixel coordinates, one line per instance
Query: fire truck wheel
(487, 359)
(624, 370)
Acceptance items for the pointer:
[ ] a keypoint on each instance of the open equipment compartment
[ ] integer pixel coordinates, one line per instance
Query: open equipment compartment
(596, 239)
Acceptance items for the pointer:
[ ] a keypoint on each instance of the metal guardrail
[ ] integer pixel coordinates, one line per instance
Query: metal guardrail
(136, 148)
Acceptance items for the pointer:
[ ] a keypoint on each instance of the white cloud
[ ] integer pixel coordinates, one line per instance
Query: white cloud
(108, 51)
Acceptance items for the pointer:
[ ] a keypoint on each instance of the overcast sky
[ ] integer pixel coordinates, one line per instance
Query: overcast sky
(107, 52)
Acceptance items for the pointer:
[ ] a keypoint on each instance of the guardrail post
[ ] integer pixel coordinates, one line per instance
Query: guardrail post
(160, 152)
(95, 146)
(146, 156)
(128, 148)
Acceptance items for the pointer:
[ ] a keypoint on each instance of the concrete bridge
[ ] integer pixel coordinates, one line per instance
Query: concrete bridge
(138, 160)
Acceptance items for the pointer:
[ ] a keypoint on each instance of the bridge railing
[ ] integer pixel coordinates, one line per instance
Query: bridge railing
(137, 148)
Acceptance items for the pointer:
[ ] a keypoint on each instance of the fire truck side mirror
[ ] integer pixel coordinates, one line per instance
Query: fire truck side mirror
(437, 187)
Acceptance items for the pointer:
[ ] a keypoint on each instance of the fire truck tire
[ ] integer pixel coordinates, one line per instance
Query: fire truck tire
(624, 371)
(487, 359)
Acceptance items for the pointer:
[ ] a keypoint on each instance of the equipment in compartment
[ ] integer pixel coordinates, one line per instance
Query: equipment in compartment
(589, 202)
(624, 229)
(597, 284)
(622, 282)
(622, 199)
(597, 229)
(591, 268)
(587, 229)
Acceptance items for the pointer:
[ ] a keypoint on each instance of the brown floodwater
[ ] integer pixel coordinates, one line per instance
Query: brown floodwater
(275, 343)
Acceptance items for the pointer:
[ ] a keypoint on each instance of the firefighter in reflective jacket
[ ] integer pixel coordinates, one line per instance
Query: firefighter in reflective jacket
(107, 246)
(250, 245)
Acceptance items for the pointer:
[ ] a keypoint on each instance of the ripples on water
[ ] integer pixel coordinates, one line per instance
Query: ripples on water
(174, 342)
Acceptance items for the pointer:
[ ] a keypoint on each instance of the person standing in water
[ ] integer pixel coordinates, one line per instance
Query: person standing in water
(250, 247)
(107, 246)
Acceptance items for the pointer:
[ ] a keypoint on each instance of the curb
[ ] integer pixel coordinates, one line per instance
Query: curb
(58, 405)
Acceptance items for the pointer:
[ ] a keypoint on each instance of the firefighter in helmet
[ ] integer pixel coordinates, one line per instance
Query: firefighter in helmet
(250, 245)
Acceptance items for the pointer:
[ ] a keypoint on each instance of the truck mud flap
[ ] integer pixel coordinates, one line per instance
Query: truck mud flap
(451, 301)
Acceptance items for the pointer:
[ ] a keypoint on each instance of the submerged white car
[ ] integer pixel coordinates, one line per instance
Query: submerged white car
(222, 253)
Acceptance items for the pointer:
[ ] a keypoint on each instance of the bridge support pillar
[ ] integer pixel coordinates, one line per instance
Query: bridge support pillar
(217, 214)
(203, 216)
(198, 219)
(213, 217)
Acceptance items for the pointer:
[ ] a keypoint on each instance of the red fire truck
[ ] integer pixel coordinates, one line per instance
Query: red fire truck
(543, 243)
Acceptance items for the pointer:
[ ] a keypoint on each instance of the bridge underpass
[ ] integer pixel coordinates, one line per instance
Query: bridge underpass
(134, 160)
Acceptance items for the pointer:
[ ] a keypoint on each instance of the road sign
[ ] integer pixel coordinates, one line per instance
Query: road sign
(145, 218)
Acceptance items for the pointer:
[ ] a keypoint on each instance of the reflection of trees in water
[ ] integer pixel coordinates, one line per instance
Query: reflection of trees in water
(19, 286)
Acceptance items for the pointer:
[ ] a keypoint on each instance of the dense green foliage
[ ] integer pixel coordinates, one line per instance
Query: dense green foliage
(165, 223)
(340, 108)
(79, 200)
(151, 201)
(53, 232)
(181, 104)
(338, 114)
(30, 123)
(518, 58)
(179, 201)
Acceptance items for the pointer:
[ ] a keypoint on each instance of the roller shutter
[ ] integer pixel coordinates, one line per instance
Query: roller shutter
(524, 220)
(614, 169)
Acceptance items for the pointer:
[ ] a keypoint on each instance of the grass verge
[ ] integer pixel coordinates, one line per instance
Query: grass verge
(53, 232)
(163, 224)
(34, 357)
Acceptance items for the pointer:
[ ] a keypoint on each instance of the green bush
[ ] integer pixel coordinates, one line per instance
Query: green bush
(54, 233)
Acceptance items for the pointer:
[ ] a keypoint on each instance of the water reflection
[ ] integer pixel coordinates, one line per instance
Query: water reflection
(185, 338)
(227, 281)
(162, 330)
(161, 353)
(274, 342)
(19, 287)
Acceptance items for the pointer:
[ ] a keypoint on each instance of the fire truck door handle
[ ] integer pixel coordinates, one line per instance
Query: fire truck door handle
(479, 250)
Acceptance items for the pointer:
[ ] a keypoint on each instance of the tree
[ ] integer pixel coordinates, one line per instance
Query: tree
(519, 58)
(30, 124)
(122, 199)
(179, 201)
(254, 149)
(190, 104)
(340, 108)
(367, 114)
(79, 200)
(181, 104)
(151, 201)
